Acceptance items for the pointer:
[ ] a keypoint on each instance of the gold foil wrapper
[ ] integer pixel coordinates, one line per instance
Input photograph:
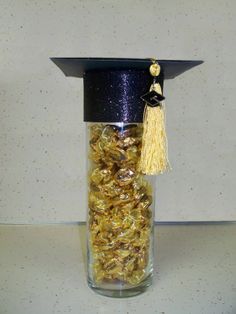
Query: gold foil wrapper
(120, 218)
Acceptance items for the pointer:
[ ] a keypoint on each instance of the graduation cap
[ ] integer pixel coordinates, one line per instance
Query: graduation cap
(128, 91)
(124, 104)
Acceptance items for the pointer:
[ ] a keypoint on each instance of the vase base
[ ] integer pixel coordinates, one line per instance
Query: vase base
(122, 292)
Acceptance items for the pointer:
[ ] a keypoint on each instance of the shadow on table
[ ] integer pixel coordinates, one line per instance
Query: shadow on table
(82, 238)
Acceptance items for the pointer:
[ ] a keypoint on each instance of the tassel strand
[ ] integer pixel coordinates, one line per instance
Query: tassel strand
(154, 153)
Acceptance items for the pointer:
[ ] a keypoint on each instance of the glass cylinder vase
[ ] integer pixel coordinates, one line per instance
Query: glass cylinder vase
(120, 211)
(120, 198)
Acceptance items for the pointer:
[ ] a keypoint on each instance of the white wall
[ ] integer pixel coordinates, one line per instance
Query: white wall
(42, 136)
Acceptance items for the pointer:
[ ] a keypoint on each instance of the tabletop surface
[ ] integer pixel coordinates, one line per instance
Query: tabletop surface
(42, 271)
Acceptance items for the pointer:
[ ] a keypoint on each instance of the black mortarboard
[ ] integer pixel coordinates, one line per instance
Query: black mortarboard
(113, 86)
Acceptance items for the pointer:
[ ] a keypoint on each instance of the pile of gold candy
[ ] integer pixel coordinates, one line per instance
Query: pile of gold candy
(120, 218)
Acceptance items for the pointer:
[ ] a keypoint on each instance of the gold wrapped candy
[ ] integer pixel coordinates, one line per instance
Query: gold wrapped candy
(120, 218)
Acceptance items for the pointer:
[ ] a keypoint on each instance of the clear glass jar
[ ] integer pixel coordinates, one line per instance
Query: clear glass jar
(120, 211)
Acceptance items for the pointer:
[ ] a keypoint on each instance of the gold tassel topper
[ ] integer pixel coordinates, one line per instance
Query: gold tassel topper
(154, 152)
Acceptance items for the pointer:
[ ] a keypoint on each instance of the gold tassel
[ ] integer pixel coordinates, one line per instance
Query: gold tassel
(154, 152)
